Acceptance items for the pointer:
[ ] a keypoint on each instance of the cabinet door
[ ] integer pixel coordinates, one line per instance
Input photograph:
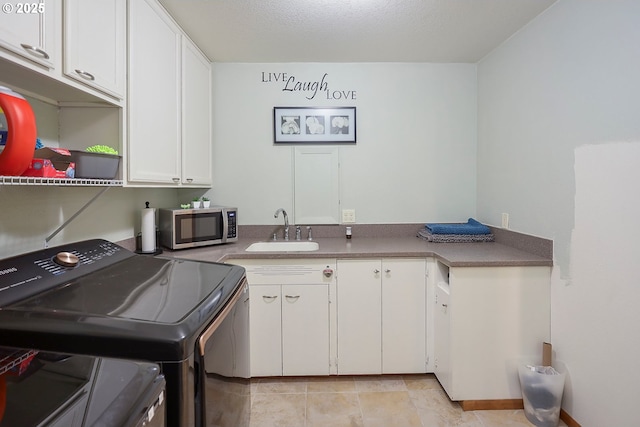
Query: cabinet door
(154, 95)
(265, 330)
(403, 316)
(305, 330)
(498, 318)
(95, 43)
(359, 317)
(29, 29)
(442, 339)
(196, 116)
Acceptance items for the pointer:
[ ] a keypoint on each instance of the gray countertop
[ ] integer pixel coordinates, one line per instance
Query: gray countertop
(492, 254)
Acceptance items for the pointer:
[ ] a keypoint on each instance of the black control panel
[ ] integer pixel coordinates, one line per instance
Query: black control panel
(232, 224)
(29, 274)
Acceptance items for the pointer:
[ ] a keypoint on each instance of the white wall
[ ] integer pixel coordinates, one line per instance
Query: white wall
(558, 149)
(31, 213)
(414, 160)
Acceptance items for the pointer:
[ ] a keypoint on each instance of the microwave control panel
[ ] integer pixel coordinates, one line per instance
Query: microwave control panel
(232, 226)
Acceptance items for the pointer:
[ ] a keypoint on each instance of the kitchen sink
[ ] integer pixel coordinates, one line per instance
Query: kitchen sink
(284, 246)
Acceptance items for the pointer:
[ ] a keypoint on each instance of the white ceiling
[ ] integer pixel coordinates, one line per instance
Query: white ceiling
(351, 30)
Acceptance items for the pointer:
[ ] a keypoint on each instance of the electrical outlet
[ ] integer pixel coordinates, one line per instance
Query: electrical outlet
(348, 216)
(505, 220)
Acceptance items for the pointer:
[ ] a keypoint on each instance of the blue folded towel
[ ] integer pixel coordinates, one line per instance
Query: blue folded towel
(470, 227)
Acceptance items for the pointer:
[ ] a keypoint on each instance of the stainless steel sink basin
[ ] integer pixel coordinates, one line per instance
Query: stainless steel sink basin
(284, 246)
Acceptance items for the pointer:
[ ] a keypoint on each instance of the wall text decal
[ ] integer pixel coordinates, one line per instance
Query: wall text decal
(310, 89)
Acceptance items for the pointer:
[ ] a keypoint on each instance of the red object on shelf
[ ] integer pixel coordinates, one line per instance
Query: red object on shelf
(15, 362)
(21, 136)
(51, 163)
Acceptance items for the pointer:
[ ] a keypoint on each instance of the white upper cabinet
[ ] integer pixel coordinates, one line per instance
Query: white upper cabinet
(42, 46)
(169, 98)
(29, 29)
(95, 44)
(196, 115)
(154, 150)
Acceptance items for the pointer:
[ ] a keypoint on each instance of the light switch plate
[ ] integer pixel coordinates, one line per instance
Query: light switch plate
(348, 216)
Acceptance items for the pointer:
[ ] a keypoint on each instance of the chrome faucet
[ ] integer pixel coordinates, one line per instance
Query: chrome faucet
(286, 222)
(298, 232)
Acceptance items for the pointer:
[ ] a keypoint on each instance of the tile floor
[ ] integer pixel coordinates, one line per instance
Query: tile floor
(389, 401)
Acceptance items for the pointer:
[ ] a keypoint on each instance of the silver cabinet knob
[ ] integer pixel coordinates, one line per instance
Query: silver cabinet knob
(387, 271)
(376, 271)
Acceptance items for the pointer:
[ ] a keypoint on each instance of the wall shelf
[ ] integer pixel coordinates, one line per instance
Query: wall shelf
(77, 182)
(14, 358)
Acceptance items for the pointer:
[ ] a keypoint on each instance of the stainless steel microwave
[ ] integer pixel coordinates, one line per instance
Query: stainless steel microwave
(190, 228)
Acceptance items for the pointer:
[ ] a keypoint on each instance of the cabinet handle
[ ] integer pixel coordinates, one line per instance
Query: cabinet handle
(387, 271)
(176, 179)
(327, 272)
(292, 297)
(269, 298)
(445, 305)
(189, 180)
(35, 50)
(85, 75)
(376, 271)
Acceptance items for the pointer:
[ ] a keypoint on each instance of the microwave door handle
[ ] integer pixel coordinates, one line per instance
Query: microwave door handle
(225, 225)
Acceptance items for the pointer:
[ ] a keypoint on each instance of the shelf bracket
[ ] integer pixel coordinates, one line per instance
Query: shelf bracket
(74, 216)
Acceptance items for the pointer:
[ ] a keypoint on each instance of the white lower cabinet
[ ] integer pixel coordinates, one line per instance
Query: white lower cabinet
(387, 315)
(289, 316)
(359, 301)
(305, 330)
(265, 316)
(487, 320)
(290, 331)
(381, 316)
(442, 340)
(403, 316)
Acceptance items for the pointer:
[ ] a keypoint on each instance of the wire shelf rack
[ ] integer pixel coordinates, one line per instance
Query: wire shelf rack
(78, 182)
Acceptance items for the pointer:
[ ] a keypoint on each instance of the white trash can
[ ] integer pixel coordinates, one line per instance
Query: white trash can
(542, 388)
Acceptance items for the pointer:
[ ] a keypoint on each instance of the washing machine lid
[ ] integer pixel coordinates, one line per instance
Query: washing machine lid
(123, 305)
(139, 288)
